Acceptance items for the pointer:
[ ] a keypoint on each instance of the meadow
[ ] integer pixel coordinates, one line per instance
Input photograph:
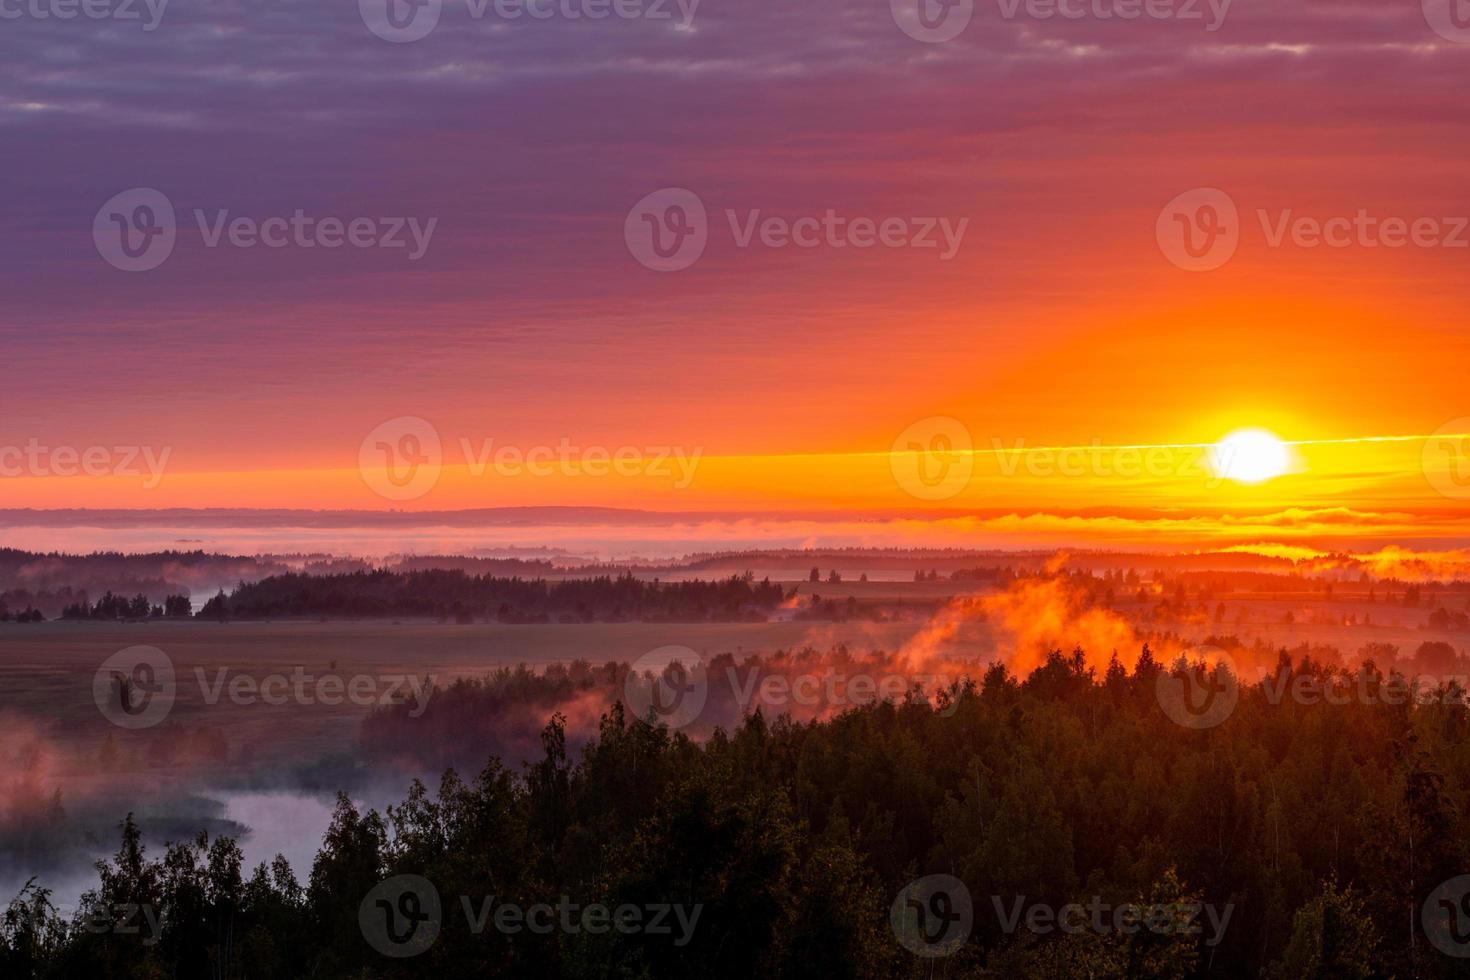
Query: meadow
(228, 760)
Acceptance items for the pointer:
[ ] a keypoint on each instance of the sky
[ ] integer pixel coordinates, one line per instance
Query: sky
(1044, 186)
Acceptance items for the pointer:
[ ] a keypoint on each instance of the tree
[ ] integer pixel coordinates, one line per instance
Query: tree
(1332, 936)
(1435, 657)
(32, 932)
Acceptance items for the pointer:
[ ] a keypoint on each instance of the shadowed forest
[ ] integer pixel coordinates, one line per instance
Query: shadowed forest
(1312, 832)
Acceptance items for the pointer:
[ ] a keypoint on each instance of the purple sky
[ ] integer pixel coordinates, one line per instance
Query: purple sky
(529, 141)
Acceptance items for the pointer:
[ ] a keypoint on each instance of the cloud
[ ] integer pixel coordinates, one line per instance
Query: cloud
(531, 139)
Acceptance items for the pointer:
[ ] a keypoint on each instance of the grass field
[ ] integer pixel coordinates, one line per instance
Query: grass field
(47, 669)
(271, 767)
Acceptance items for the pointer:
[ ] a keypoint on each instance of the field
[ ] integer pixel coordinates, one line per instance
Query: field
(266, 772)
(47, 669)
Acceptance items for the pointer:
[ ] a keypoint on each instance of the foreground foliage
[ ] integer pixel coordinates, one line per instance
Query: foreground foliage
(1322, 826)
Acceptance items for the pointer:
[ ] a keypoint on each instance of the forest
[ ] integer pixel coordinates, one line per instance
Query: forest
(464, 597)
(1296, 839)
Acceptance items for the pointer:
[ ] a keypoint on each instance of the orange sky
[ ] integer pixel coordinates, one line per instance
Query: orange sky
(1059, 320)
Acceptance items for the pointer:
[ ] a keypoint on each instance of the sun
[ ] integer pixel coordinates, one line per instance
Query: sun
(1250, 456)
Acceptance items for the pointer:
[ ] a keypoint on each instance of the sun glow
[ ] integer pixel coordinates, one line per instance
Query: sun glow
(1250, 456)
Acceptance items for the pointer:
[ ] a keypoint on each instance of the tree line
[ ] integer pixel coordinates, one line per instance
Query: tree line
(1322, 826)
(121, 608)
(454, 594)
